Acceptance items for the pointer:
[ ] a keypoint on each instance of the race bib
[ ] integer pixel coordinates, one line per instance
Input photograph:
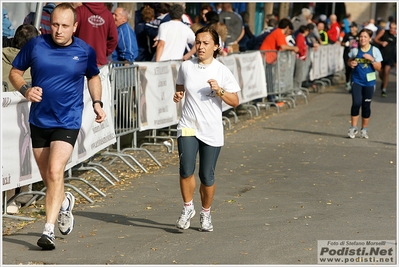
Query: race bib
(371, 76)
(187, 132)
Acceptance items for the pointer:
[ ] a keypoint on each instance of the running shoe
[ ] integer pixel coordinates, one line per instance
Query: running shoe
(184, 220)
(348, 86)
(65, 217)
(206, 222)
(46, 242)
(352, 132)
(383, 93)
(364, 133)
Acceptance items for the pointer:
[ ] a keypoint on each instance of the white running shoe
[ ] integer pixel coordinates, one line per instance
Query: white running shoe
(364, 133)
(352, 132)
(206, 222)
(184, 220)
(65, 217)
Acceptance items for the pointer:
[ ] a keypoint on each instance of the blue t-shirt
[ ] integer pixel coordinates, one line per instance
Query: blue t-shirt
(362, 74)
(60, 72)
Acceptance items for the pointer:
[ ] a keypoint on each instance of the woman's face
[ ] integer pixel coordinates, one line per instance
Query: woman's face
(364, 39)
(205, 46)
(204, 13)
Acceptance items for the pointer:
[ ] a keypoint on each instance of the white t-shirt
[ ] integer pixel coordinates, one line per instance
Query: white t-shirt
(176, 36)
(202, 108)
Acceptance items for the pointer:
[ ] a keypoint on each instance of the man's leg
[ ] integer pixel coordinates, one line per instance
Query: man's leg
(385, 76)
(51, 162)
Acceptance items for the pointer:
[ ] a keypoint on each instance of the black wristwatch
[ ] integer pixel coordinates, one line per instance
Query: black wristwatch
(99, 102)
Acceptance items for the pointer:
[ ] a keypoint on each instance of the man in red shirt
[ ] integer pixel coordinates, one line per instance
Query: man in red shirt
(276, 40)
(334, 31)
(96, 26)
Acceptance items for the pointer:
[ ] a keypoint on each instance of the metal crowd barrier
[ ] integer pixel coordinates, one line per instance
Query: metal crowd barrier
(302, 68)
(124, 85)
(279, 69)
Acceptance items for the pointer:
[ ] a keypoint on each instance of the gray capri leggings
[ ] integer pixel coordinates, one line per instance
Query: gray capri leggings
(188, 147)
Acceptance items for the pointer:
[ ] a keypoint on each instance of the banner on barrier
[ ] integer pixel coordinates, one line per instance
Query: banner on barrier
(19, 167)
(249, 72)
(157, 87)
(327, 60)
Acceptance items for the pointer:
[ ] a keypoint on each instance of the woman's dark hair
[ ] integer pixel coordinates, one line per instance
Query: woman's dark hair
(212, 17)
(214, 34)
(368, 31)
(23, 34)
(163, 8)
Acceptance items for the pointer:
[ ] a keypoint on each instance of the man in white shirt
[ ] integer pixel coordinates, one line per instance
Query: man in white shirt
(173, 36)
(371, 26)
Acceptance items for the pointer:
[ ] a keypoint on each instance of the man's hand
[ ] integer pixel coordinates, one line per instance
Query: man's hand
(100, 113)
(178, 96)
(34, 94)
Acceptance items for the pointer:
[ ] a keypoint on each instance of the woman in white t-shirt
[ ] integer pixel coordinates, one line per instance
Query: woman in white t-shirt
(205, 82)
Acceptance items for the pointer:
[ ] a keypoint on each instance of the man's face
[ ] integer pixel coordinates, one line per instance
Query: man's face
(287, 31)
(392, 28)
(62, 26)
(118, 17)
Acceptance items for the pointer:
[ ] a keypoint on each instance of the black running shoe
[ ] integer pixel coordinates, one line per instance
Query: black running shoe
(46, 242)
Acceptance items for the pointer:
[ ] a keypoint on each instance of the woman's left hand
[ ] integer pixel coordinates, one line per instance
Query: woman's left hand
(214, 85)
(368, 57)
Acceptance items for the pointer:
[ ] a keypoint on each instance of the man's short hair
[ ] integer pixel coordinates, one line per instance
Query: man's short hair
(176, 11)
(272, 23)
(284, 23)
(23, 34)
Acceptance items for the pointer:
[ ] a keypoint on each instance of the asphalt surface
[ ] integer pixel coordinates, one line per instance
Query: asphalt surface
(284, 182)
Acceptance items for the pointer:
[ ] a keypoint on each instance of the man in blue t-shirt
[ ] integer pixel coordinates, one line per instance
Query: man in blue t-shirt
(59, 64)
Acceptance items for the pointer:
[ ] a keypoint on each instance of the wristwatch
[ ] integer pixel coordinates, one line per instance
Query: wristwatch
(23, 89)
(221, 92)
(99, 102)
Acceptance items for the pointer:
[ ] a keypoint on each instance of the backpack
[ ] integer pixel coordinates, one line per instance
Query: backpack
(356, 51)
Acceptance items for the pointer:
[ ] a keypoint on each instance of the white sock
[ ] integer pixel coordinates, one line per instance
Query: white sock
(65, 204)
(48, 229)
(206, 211)
(189, 205)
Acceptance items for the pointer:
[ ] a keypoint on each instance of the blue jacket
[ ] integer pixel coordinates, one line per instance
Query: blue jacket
(8, 29)
(127, 48)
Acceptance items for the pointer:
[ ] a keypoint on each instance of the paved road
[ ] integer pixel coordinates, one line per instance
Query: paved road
(283, 183)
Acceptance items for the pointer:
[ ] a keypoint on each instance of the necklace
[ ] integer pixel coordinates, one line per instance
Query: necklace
(202, 66)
